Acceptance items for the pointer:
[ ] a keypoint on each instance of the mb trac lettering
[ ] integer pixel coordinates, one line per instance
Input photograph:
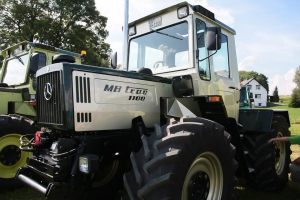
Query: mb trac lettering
(131, 90)
(112, 88)
(134, 90)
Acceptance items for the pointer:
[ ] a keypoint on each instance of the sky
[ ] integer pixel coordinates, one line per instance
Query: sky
(267, 39)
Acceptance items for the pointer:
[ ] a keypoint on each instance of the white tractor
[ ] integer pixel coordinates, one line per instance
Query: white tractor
(169, 127)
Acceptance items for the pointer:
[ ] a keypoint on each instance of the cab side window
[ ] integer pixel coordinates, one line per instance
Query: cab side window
(42, 60)
(204, 69)
(220, 59)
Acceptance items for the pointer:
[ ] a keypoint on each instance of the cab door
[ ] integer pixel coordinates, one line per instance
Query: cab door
(225, 76)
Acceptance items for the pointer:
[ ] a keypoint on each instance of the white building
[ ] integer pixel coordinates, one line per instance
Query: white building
(260, 93)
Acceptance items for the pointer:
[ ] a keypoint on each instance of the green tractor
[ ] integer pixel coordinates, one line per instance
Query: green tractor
(17, 97)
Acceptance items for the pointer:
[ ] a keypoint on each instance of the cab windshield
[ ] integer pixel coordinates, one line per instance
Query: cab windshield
(160, 50)
(15, 70)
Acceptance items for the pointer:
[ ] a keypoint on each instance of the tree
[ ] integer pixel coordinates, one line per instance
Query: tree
(275, 92)
(297, 77)
(261, 78)
(295, 99)
(73, 25)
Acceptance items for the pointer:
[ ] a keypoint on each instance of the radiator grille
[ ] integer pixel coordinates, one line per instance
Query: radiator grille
(49, 111)
(83, 94)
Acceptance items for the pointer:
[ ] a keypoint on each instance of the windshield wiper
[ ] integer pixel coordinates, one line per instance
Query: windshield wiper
(20, 59)
(166, 34)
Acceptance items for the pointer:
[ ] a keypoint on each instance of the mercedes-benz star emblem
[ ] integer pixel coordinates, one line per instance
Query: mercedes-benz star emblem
(48, 91)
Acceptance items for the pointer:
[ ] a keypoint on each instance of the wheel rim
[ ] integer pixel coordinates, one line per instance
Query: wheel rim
(11, 157)
(204, 179)
(279, 154)
(106, 174)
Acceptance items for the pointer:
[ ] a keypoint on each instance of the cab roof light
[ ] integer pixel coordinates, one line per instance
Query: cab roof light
(204, 11)
(7, 53)
(214, 99)
(82, 55)
(182, 12)
(131, 31)
(27, 47)
(83, 52)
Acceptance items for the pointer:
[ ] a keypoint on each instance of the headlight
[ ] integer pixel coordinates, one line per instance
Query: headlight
(131, 31)
(88, 163)
(182, 12)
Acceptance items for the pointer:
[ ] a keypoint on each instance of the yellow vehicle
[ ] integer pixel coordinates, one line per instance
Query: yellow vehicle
(18, 98)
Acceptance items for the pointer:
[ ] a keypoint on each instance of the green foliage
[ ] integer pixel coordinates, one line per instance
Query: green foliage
(73, 25)
(295, 100)
(275, 92)
(297, 77)
(261, 78)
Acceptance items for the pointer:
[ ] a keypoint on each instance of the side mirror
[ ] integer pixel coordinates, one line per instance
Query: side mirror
(213, 38)
(113, 60)
(34, 63)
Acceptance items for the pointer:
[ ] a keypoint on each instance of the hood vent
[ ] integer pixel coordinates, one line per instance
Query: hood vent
(83, 94)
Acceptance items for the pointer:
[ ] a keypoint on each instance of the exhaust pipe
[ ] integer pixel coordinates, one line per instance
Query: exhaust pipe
(35, 185)
(54, 190)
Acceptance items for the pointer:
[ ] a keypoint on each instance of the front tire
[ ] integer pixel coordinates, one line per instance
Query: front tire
(12, 127)
(188, 159)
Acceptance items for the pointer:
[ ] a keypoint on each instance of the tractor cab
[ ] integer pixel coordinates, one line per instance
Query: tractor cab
(17, 75)
(174, 42)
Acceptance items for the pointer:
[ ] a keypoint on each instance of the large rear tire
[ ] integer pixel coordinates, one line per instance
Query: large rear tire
(12, 127)
(187, 159)
(269, 161)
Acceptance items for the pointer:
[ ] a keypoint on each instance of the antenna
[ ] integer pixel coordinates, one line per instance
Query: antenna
(125, 35)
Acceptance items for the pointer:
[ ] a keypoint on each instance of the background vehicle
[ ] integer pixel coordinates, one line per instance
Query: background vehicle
(17, 97)
(174, 115)
(246, 98)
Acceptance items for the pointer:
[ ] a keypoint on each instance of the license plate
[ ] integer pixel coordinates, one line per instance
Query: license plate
(155, 22)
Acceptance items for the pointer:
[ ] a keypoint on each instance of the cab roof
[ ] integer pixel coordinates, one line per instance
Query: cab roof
(38, 45)
(192, 8)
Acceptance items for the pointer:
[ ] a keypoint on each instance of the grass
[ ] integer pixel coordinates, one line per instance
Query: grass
(25, 193)
(242, 191)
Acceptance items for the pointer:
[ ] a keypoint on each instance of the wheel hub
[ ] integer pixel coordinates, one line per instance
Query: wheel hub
(204, 179)
(106, 174)
(199, 186)
(279, 155)
(10, 155)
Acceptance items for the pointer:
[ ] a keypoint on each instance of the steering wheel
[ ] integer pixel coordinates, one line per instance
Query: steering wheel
(155, 65)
